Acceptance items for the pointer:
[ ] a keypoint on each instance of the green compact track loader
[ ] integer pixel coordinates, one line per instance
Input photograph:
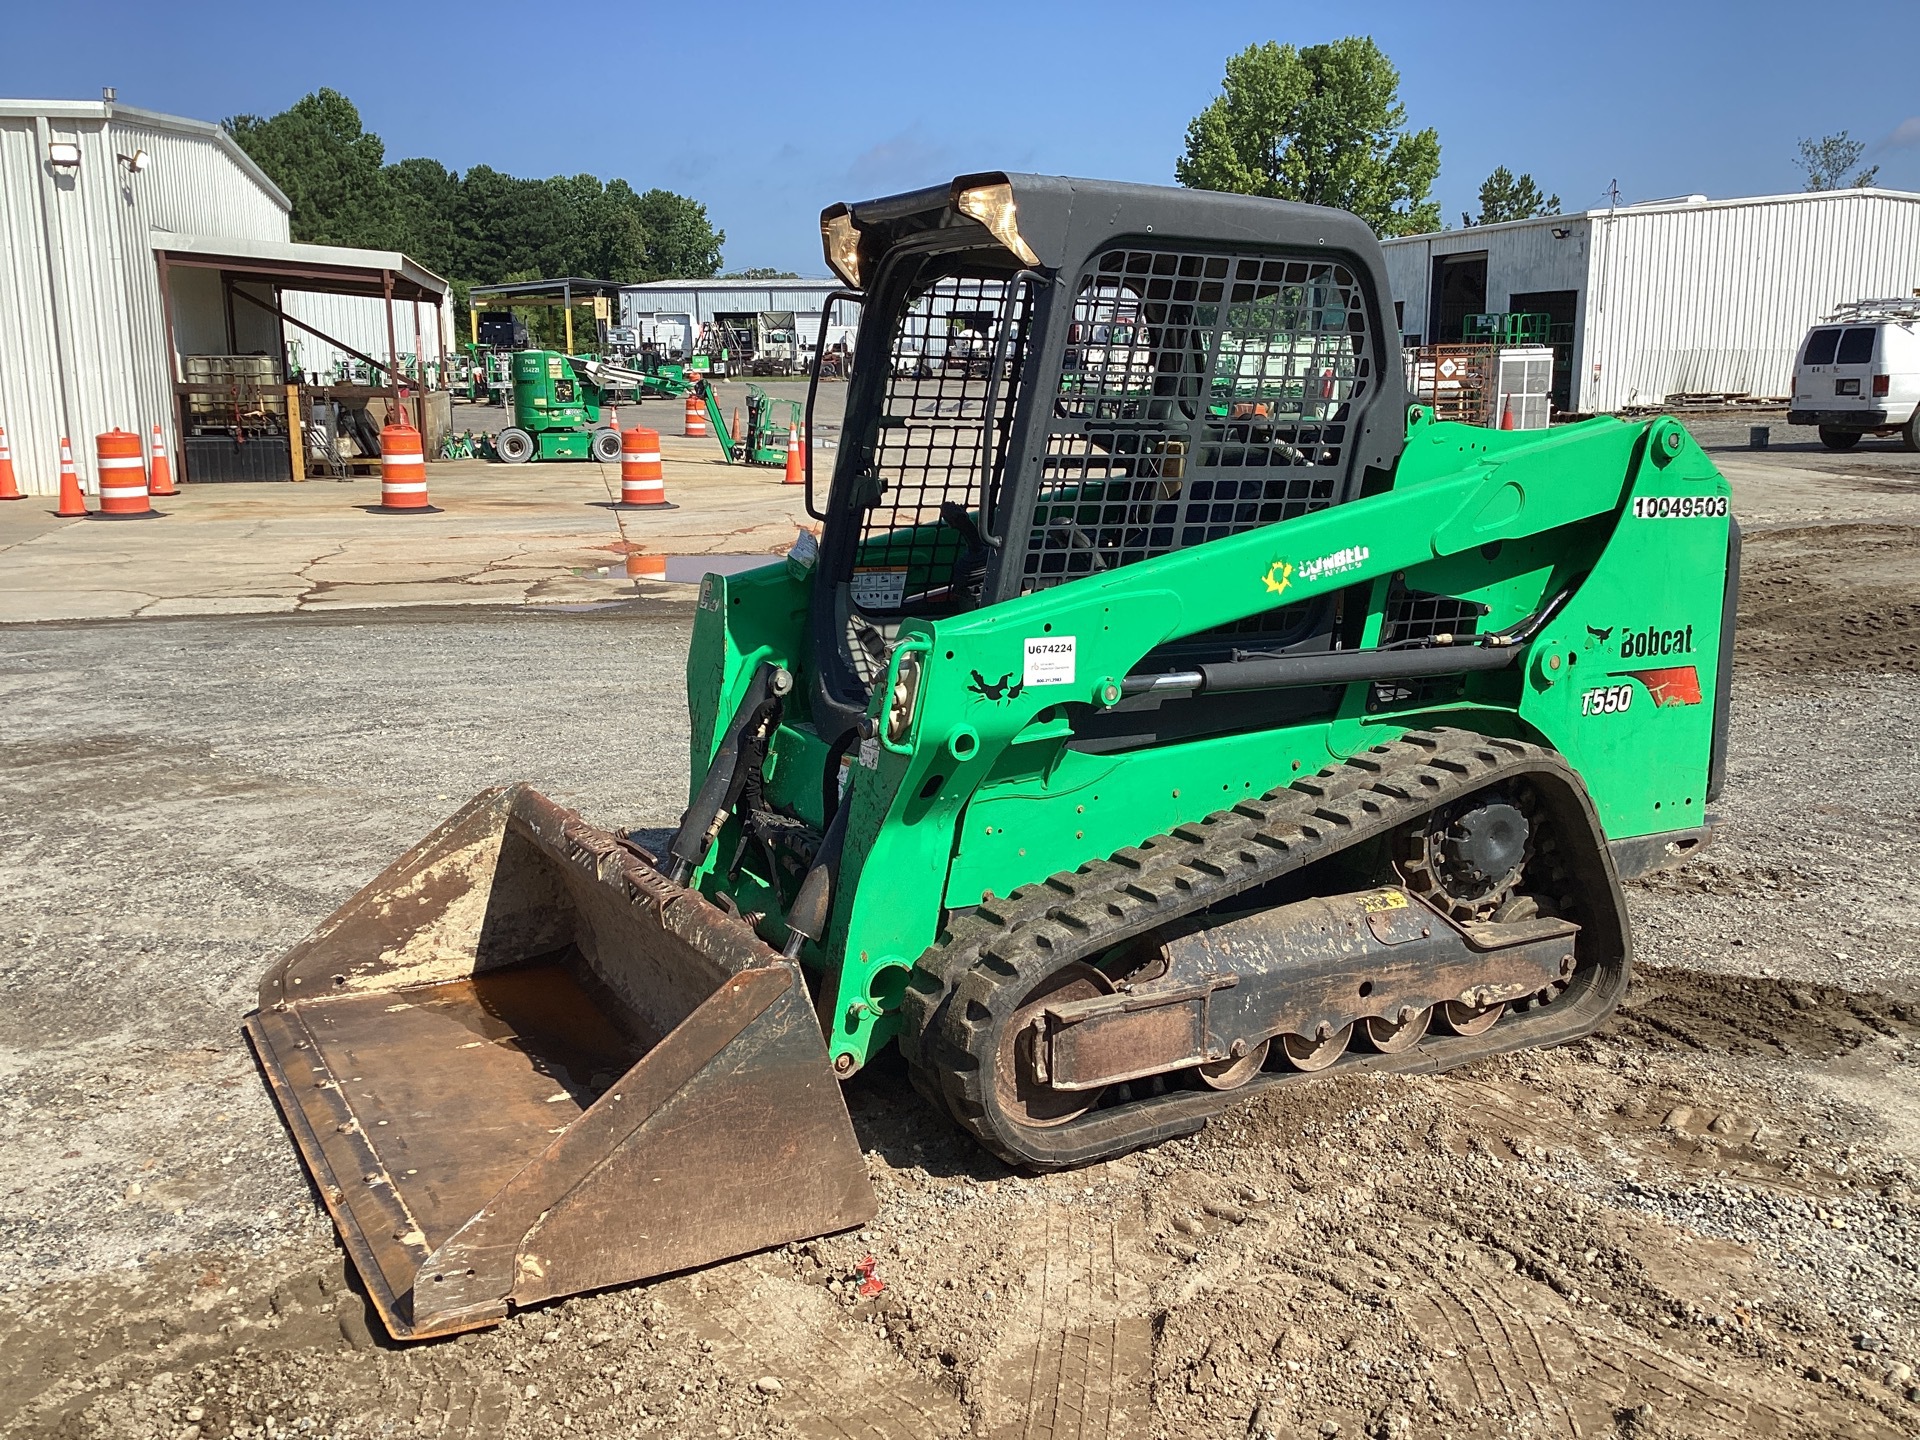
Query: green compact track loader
(1142, 731)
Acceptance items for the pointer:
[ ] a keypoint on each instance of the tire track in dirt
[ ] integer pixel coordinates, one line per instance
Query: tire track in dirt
(1080, 1350)
(1829, 598)
(836, 1381)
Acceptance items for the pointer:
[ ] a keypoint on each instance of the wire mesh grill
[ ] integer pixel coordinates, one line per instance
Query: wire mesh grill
(1417, 615)
(1204, 394)
(936, 441)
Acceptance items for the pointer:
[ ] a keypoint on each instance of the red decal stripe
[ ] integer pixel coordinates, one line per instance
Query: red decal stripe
(1672, 685)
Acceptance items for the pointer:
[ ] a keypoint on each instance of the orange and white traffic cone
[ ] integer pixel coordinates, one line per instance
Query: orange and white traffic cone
(643, 486)
(696, 417)
(72, 504)
(796, 463)
(9, 487)
(160, 477)
(1506, 415)
(646, 567)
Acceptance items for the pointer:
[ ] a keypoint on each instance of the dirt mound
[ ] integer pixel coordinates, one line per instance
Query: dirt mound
(1830, 598)
(1668, 1009)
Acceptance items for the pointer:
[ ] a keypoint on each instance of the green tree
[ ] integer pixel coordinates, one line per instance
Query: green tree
(761, 272)
(1322, 124)
(681, 244)
(318, 152)
(1828, 159)
(1502, 197)
(427, 205)
(481, 228)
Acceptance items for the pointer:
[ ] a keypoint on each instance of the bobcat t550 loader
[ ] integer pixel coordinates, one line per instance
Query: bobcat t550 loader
(1138, 735)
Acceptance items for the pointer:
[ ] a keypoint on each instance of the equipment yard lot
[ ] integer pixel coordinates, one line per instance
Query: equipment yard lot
(1701, 1221)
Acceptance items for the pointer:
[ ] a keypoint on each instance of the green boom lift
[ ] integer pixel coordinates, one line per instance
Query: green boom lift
(1210, 723)
(559, 401)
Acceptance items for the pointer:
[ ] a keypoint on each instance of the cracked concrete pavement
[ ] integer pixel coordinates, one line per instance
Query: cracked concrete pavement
(530, 534)
(545, 534)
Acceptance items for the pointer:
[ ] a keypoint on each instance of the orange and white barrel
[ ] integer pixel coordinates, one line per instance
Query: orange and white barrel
(403, 469)
(643, 485)
(696, 417)
(646, 567)
(122, 465)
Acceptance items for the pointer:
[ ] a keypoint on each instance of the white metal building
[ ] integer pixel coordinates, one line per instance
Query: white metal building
(94, 196)
(683, 306)
(1673, 298)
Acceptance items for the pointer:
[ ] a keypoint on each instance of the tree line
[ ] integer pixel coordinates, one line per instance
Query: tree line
(481, 227)
(1323, 124)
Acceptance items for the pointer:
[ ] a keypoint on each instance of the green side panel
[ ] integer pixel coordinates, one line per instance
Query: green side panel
(565, 444)
(1081, 807)
(739, 622)
(1624, 682)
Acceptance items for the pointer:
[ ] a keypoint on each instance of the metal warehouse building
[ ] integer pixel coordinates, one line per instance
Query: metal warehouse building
(1675, 298)
(682, 307)
(147, 278)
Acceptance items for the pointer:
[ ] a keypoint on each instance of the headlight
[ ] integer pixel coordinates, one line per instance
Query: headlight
(993, 207)
(841, 241)
(906, 694)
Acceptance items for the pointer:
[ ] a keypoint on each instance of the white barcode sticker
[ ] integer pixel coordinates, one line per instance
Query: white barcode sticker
(1049, 660)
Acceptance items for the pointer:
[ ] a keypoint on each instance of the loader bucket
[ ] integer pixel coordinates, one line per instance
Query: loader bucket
(522, 1064)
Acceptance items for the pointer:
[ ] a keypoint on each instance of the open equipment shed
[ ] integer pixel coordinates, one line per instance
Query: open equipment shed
(99, 201)
(228, 313)
(566, 292)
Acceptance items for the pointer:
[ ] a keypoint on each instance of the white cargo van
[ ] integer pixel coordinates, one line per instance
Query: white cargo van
(1859, 374)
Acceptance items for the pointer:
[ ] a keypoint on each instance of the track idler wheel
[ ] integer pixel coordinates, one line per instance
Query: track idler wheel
(1305, 1052)
(1460, 1018)
(1235, 1070)
(1390, 1037)
(1020, 1091)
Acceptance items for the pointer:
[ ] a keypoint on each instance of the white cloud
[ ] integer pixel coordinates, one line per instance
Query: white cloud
(1905, 135)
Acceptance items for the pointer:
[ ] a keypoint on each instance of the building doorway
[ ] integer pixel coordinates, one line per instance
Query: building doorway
(1459, 290)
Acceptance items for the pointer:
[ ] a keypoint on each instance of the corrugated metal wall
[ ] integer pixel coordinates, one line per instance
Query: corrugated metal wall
(704, 302)
(1714, 299)
(1521, 259)
(82, 332)
(29, 376)
(362, 323)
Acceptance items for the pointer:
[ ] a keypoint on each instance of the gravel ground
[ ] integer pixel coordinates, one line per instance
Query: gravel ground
(1700, 1221)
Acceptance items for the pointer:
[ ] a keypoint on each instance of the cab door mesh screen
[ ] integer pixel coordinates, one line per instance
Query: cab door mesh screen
(1203, 394)
(936, 440)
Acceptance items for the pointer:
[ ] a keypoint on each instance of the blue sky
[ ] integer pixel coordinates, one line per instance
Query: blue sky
(766, 114)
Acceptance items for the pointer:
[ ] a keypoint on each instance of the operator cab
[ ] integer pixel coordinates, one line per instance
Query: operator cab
(1123, 393)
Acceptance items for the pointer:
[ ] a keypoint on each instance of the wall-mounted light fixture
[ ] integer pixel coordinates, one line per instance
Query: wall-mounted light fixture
(137, 161)
(64, 154)
(1560, 232)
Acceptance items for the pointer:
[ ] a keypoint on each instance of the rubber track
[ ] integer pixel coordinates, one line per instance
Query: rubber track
(963, 989)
